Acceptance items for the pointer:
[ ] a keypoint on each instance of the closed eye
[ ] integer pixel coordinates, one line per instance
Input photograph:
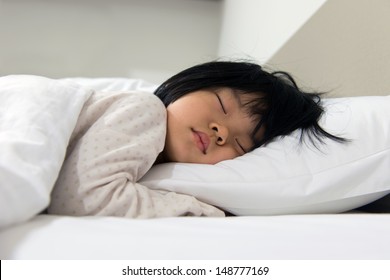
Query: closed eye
(221, 103)
(241, 147)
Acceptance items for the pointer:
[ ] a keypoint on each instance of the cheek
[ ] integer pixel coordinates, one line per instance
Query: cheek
(223, 154)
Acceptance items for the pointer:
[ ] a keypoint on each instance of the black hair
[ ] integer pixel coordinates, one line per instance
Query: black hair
(278, 104)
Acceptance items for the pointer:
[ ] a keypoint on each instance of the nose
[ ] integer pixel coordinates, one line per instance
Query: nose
(221, 133)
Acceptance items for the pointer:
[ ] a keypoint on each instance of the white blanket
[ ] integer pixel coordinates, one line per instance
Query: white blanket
(37, 117)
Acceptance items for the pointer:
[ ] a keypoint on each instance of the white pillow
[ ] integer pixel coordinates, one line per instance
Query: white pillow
(287, 178)
(37, 117)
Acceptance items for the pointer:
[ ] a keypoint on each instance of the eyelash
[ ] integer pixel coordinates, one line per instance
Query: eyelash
(220, 102)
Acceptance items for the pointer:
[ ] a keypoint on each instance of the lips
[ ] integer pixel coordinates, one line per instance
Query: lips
(202, 140)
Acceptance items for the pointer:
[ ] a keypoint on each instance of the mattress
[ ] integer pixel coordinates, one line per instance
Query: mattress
(353, 236)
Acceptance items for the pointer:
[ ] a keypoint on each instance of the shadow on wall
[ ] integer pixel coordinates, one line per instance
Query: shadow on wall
(343, 48)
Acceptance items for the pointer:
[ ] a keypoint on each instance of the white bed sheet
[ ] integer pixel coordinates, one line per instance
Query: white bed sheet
(343, 236)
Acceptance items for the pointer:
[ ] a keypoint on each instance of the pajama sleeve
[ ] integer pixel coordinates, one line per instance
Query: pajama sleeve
(116, 141)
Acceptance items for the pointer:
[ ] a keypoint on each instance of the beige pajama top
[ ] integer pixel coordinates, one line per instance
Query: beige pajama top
(116, 140)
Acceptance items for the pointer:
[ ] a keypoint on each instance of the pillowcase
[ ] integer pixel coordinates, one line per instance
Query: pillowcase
(286, 177)
(37, 117)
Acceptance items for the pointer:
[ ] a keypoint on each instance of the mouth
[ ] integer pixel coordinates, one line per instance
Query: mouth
(202, 140)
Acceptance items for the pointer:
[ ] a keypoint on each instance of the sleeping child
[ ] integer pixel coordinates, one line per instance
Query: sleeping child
(205, 114)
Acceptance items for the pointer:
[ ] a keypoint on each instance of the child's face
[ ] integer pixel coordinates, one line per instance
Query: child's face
(207, 127)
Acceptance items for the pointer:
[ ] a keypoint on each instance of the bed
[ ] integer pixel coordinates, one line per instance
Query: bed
(354, 236)
(304, 204)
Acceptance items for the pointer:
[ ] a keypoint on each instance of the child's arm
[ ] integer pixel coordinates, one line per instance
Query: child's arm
(119, 139)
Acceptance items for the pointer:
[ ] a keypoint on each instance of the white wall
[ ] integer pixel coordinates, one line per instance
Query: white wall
(151, 39)
(259, 28)
(338, 45)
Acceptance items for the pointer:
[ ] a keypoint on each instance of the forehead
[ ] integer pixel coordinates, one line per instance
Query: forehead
(243, 98)
(250, 102)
